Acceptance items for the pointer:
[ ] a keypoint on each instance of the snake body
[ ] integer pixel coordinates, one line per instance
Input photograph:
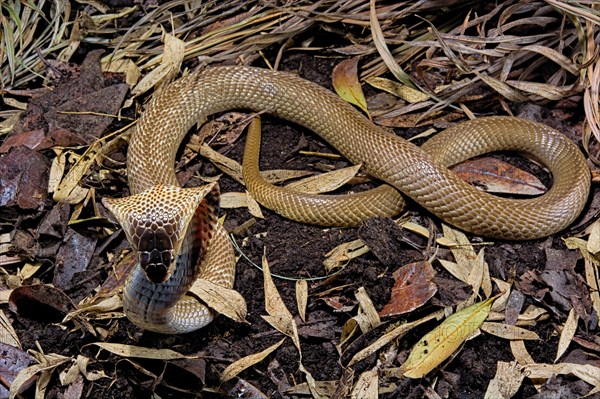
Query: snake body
(419, 172)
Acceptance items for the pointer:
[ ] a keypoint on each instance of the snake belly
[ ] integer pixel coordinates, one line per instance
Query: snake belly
(418, 172)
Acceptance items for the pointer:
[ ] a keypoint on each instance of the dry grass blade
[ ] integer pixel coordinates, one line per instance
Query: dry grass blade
(30, 31)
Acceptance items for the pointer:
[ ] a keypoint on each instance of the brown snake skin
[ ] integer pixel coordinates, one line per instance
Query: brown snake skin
(157, 216)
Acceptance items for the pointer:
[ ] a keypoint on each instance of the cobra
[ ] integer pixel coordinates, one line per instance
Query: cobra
(177, 238)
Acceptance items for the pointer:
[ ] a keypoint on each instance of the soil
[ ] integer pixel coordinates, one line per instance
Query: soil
(297, 250)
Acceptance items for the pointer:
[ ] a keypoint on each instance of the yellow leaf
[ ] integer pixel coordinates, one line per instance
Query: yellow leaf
(439, 344)
(398, 89)
(346, 84)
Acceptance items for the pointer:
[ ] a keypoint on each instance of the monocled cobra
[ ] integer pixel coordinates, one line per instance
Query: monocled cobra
(178, 239)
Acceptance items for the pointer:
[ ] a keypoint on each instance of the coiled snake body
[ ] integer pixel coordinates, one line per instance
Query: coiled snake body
(174, 230)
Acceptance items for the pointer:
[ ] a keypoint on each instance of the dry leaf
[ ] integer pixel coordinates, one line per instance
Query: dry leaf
(225, 301)
(172, 57)
(593, 242)
(367, 386)
(398, 89)
(508, 331)
(242, 364)
(227, 165)
(8, 335)
(519, 352)
(253, 207)
(383, 50)
(346, 84)
(279, 316)
(413, 287)
(591, 264)
(141, 352)
(506, 382)
(367, 318)
(439, 344)
(47, 365)
(496, 176)
(586, 372)
(232, 200)
(343, 253)
(325, 182)
(567, 333)
(302, 297)
(391, 335)
(274, 176)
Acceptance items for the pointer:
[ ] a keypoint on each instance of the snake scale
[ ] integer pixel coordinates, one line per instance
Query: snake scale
(178, 239)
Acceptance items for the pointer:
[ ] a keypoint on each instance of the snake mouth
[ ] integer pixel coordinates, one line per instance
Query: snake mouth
(156, 222)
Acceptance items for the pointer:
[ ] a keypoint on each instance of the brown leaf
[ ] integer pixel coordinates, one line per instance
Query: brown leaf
(77, 110)
(197, 367)
(23, 178)
(73, 257)
(413, 288)
(30, 139)
(496, 176)
(12, 360)
(40, 302)
(346, 84)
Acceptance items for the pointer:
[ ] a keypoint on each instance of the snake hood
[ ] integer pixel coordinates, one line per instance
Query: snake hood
(157, 220)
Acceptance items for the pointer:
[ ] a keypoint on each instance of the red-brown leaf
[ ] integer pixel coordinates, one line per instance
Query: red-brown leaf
(496, 176)
(413, 288)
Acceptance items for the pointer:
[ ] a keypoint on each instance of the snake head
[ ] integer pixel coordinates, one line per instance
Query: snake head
(156, 221)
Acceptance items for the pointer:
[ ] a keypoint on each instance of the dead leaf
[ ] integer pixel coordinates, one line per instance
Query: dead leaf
(31, 139)
(325, 182)
(242, 364)
(398, 89)
(302, 297)
(23, 178)
(391, 335)
(12, 361)
(508, 331)
(41, 302)
(439, 344)
(367, 317)
(346, 84)
(140, 352)
(496, 176)
(226, 301)
(506, 382)
(586, 372)
(74, 256)
(382, 48)
(567, 334)
(172, 57)
(413, 287)
(8, 335)
(367, 386)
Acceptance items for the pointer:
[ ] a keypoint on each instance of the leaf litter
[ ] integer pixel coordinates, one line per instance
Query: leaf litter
(69, 142)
